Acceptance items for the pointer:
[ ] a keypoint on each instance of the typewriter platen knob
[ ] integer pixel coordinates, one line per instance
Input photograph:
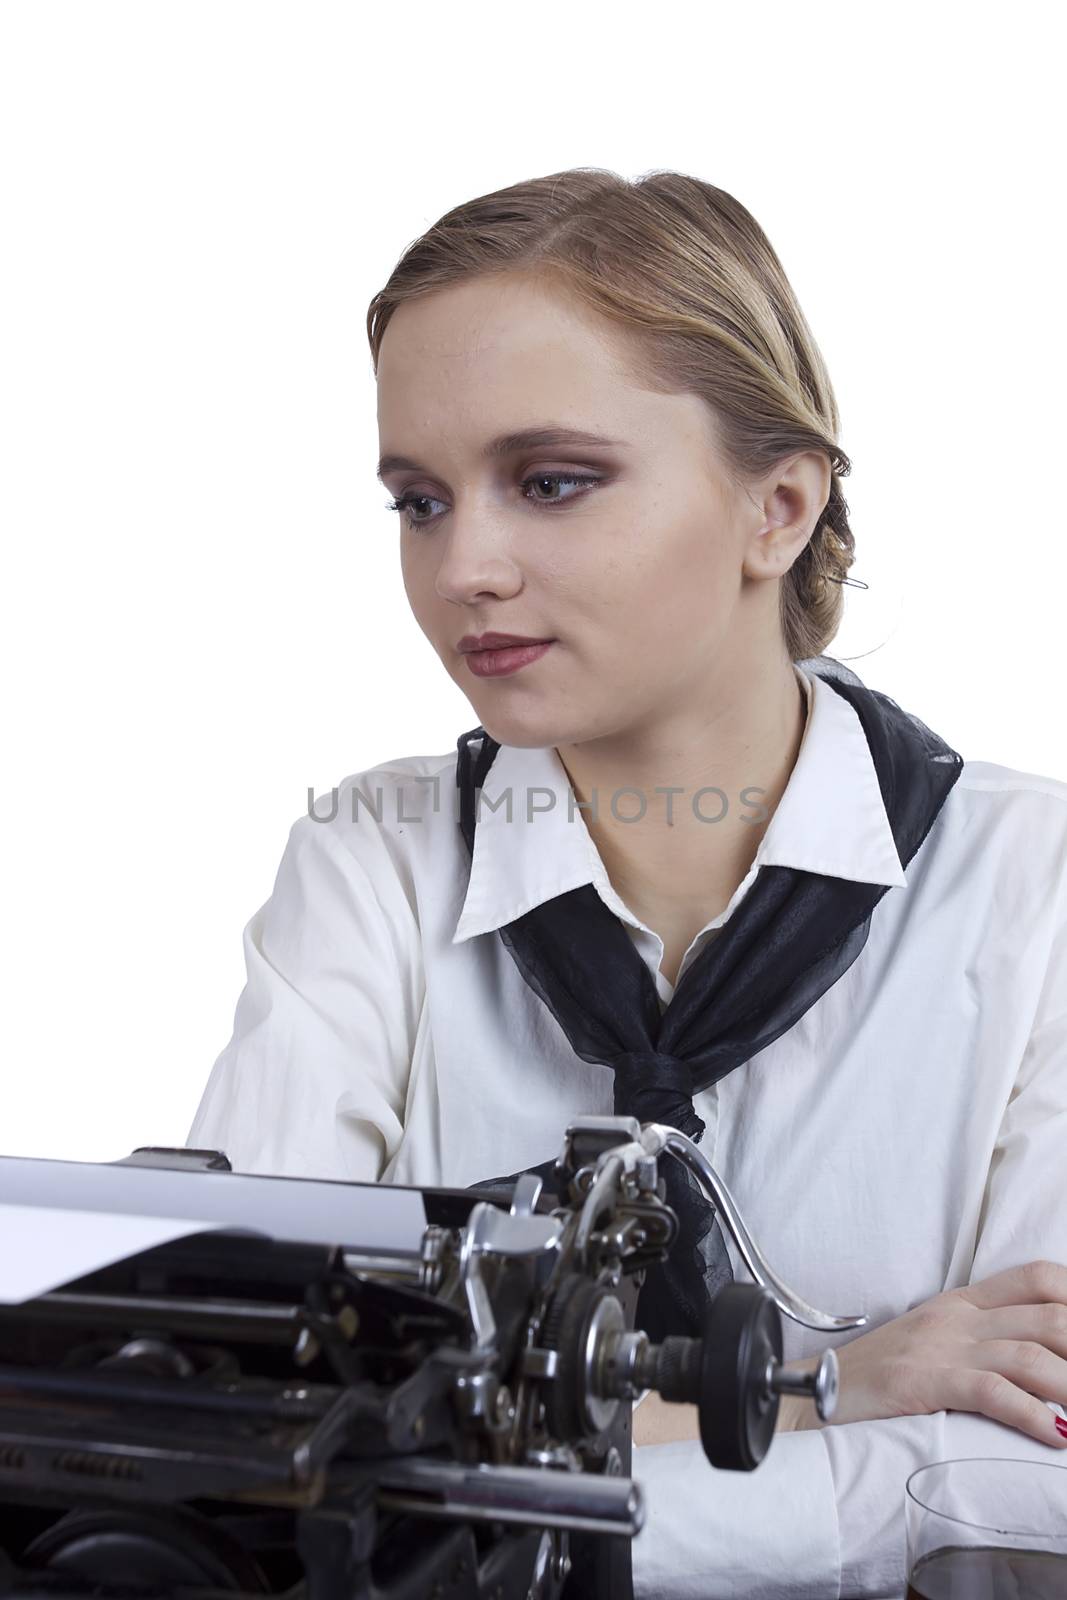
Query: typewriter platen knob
(735, 1376)
(731, 1374)
(725, 1375)
(742, 1342)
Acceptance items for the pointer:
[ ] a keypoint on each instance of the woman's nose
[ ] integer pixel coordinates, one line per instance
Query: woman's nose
(476, 560)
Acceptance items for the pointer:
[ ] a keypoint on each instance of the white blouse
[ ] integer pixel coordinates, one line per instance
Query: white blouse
(907, 1135)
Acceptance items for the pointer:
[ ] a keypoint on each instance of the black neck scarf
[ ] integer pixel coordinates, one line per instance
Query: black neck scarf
(788, 940)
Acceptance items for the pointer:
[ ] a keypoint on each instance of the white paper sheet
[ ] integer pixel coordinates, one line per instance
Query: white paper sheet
(62, 1219)
(42, 1247)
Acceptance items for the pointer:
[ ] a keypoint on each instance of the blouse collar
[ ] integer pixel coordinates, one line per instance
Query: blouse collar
(831, 819)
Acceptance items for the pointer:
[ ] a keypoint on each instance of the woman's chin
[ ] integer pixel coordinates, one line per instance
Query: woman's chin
(531, 730)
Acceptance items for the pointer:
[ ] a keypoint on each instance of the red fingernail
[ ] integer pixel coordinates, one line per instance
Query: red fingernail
(1061, 1426)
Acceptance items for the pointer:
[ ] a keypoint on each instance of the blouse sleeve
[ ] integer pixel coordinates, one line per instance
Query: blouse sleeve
(313, 1080)
(822, 1516)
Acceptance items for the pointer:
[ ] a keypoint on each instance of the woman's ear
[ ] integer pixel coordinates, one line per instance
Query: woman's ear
(786, 511)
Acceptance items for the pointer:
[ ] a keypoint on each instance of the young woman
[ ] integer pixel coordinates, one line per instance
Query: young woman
(685, 864)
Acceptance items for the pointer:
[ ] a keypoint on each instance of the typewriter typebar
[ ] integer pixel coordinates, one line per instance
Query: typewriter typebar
(232, 1413)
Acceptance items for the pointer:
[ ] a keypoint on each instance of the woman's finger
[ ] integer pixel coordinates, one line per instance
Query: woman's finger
(1044, 1324)
(1030, 1283)
(992, 1395)
(1027, 1363)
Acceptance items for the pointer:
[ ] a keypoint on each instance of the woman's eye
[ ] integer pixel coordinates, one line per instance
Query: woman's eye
(557, 478)
(409, 502)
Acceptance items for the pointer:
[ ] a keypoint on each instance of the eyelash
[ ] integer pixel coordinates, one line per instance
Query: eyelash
(407, 500)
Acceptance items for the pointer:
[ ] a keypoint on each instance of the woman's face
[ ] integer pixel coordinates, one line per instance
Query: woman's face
(635, 556)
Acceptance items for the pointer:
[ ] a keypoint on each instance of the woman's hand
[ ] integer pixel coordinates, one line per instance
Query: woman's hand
(997, 1347)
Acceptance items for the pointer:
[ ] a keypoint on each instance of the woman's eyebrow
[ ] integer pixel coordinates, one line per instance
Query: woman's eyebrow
(550, 436)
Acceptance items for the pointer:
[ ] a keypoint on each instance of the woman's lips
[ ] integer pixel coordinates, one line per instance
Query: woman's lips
(496, 663)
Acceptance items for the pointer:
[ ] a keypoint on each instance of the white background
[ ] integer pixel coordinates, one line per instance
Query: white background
(202, 612)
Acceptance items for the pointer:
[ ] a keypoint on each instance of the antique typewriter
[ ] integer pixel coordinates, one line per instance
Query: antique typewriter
(217, 1384)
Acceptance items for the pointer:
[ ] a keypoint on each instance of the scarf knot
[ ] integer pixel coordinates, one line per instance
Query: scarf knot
(654, 1087)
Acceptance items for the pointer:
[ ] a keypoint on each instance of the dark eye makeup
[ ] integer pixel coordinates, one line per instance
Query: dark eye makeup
(405, 502)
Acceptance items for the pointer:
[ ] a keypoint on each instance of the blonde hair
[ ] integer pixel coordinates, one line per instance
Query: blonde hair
(690, 277)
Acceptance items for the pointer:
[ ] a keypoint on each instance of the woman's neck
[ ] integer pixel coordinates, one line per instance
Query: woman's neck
(687, 851)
